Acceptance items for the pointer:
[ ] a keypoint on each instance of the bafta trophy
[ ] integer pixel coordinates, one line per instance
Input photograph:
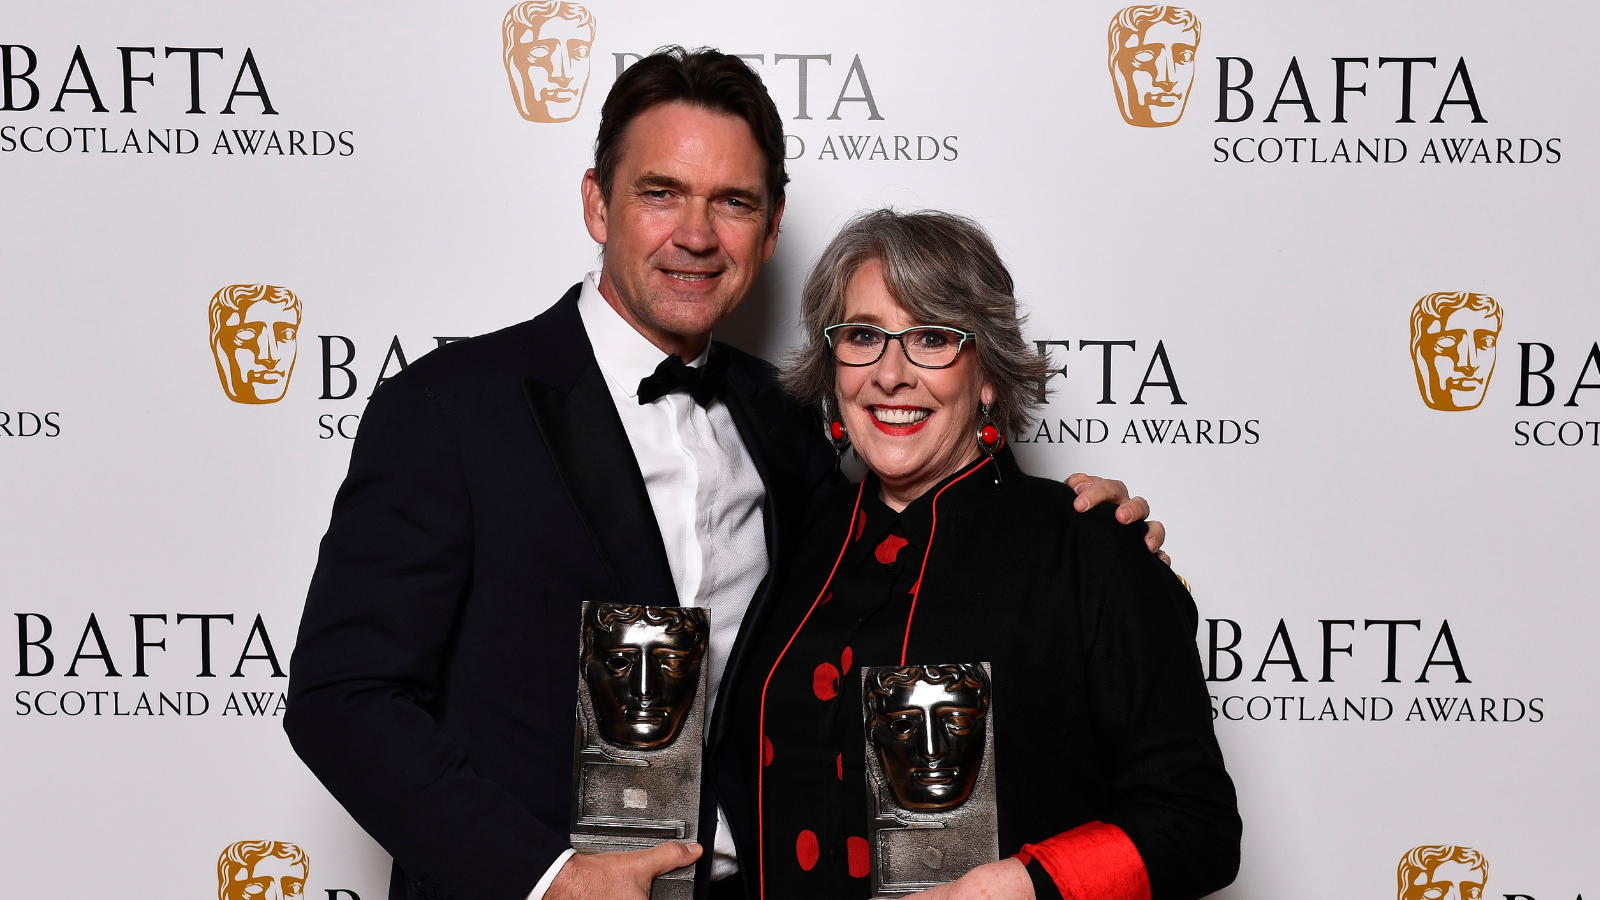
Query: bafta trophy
(641, 715)
(930, 774)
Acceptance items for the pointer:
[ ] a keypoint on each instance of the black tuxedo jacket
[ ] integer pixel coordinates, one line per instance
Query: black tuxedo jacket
(491, 490)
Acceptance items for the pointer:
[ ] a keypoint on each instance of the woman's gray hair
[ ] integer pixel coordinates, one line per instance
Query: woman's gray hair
(943, 269)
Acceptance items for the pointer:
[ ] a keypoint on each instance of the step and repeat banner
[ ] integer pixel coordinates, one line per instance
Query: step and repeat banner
(1274, 251)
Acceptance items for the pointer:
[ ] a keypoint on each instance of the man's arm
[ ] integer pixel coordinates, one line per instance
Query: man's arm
(365, 679)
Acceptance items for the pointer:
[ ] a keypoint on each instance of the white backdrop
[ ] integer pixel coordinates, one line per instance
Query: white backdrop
(1279, 292)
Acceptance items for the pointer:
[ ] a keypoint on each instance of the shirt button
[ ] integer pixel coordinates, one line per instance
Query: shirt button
(833, 851)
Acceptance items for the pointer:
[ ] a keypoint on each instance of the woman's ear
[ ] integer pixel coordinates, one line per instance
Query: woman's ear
(987, 394)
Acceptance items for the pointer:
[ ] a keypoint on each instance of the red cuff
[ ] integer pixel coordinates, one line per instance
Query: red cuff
(1095, 861)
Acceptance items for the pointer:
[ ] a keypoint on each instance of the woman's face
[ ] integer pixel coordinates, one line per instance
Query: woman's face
(912, 426)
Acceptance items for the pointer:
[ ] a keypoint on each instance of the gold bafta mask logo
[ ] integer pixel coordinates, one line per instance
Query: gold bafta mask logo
(1442, 872)
(547, 44)
(1152, 62)
(1454, 340)
(262, 870)
(254, 334)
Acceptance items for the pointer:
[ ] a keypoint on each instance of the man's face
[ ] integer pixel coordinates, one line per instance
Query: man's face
(552, 59)
(259, 345)
(930, 741)
(687, 227)
(642, 679)
(269, 878)
(1154, 72)
(1450, 881)
(1458, 354)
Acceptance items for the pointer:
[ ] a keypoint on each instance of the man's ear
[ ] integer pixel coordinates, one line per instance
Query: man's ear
(594, 208)
(770, 242)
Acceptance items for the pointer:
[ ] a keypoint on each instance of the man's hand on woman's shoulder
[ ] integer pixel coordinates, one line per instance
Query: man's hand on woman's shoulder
(1093, 491)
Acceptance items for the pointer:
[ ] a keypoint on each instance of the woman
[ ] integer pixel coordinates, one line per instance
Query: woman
(1109, 781)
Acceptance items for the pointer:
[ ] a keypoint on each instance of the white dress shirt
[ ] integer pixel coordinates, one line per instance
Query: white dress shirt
(706, 494)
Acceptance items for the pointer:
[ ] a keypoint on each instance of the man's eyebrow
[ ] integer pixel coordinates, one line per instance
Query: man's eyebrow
(657, 180)
(660, 181)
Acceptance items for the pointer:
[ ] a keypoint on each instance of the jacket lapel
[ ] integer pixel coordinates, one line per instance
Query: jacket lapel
(590, 449)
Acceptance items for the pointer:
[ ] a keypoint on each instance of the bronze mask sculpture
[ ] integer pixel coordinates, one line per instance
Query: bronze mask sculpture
(642, 664)
(928, 725)
(641, 720)
(930, 773)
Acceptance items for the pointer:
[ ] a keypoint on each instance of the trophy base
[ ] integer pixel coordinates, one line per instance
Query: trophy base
(675, 885)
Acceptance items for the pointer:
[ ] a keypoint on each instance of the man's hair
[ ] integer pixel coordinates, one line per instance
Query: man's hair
(1423, 860)
(1135, 19)
(531, 12)
(1439, 306)
(236, 297)
(244, 854)
(677, 619)
(881, 683)
(705, 79)
(945, 271)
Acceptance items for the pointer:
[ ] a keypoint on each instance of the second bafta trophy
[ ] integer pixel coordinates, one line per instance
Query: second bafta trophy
(930, 774)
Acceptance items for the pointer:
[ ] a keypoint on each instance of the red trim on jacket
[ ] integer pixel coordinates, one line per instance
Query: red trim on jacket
(917, 588)
(1094, 861)
(761, 770)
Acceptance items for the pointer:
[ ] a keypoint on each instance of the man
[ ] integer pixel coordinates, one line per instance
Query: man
(1442, 873)
(254, 335)
(547, 45)
(499, 481)
(1152, 62)
(1454, 340)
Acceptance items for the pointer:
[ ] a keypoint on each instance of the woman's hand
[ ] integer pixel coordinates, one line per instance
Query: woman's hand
(1004, 880)
(1093, 491)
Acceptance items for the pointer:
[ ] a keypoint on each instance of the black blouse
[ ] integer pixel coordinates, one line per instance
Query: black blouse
(1101, 710)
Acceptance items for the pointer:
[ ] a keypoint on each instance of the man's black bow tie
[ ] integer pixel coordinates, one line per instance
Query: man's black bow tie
(703, 383)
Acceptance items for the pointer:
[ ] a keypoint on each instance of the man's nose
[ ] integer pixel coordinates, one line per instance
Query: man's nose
(695, 232)
(1467, 358)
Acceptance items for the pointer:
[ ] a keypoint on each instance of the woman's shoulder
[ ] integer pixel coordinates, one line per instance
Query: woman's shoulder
(1047, 505)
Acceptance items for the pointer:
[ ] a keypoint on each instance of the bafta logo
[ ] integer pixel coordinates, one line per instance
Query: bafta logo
(254, 328)
(1454, 338)
(262, 870)
(1152, 62)
(1442, 873)
(547, 45)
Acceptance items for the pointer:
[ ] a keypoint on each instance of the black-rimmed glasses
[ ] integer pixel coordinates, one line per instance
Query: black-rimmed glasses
(926, 346)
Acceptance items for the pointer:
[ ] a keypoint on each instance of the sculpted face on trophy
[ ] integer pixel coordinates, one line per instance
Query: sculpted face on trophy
(1454, 342)
(262, 870)
(642, 665)
(1152, 62)
(254, 337)
(927, 727)
(1442, 873)
(547, 45)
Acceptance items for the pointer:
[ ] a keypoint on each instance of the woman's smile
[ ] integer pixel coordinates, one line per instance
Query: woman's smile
(899, 420)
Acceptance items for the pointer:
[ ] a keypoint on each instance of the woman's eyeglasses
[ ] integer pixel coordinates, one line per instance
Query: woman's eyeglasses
(927, 346)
